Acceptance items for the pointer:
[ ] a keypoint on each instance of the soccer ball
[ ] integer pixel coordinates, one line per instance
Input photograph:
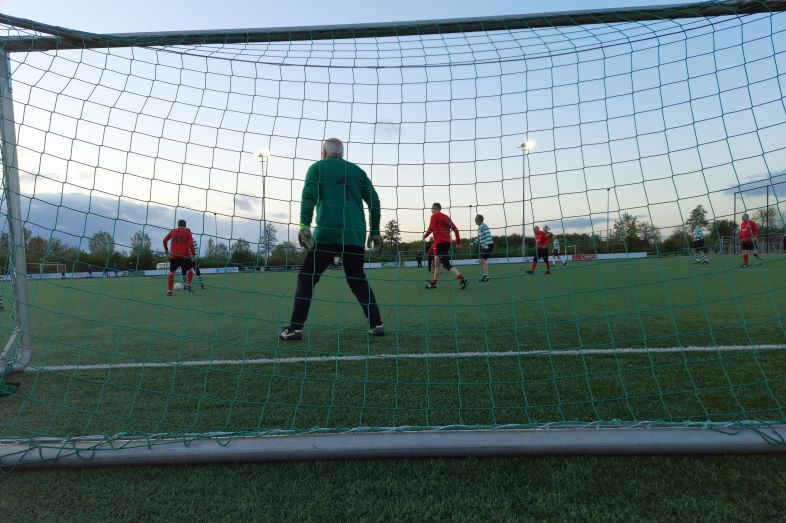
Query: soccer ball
(179, 286)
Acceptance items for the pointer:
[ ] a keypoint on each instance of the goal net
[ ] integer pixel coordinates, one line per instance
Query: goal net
(635, 140)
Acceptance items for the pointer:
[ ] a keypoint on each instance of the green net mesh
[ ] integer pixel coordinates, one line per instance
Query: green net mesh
(620, 139)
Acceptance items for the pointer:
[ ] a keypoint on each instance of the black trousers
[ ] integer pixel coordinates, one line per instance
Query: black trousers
(317, 260)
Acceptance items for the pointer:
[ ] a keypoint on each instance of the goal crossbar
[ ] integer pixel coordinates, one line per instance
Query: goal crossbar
(63, 38)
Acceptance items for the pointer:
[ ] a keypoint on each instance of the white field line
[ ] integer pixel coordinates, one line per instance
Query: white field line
(413, 356)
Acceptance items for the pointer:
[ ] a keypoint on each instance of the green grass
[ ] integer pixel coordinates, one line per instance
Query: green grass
(644, 303)
(724, 488)
(641, 303)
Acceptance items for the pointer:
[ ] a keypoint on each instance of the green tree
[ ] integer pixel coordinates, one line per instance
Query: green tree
(767, 218)
(241, 252)
(648, 234)
(391, 236)
(625, 229)
(286, 253)
(722, 228)
(102, 245)
(698, 216)
(141, 256)
(267, 241)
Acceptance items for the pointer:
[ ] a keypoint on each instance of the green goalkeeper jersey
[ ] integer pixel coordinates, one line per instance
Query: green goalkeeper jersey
(338, 188)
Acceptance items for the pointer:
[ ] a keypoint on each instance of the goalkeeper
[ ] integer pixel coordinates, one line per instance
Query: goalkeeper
(337, 188)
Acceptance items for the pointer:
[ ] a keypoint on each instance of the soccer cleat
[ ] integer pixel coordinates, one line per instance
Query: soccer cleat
(203, 285)
(379, 330)
(290, 335)
(484, 279)
(705, 262)
(464, 283)
(547, 272)
(430, 285)
(169, 292)
(530, 272)
(743, 266)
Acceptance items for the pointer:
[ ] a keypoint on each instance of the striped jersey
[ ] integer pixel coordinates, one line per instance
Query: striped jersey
(556, 244)
(484, 238)
(196, 249)
(698, 233)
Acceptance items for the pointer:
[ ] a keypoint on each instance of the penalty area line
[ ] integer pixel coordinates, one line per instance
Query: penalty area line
(412, 356)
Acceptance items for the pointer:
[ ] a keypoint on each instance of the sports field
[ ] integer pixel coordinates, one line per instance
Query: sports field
(648, 339)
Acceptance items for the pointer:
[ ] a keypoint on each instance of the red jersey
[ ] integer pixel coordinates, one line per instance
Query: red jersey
(541, 239)
(749, 230)
(440, 226)
(182, 243)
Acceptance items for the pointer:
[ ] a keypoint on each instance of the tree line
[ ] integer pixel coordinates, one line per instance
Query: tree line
(101, 251)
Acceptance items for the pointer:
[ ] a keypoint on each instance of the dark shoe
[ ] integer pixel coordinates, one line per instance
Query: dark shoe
(705, 262)
(530, 272)
(430, 285)
(203, 285)
(743, 266)
(289, 335)
(169, 293)
(547, 272)
(379, 330)
(484, 279)
(464, 283)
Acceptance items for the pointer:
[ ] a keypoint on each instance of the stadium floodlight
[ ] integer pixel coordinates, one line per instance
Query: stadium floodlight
(526, 146)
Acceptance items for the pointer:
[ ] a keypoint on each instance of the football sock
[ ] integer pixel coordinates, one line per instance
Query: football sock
(745, 259)
(170, 281)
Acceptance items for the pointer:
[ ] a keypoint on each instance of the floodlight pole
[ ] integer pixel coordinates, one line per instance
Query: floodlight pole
(19, 349)
(525, 146)
(469, 231)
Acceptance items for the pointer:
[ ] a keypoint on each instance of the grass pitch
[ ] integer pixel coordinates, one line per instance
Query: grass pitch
(593, 341)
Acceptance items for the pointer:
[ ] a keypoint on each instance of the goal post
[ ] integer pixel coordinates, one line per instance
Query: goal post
(613, 131)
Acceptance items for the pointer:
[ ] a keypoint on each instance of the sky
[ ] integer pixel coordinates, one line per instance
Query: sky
(114, 141)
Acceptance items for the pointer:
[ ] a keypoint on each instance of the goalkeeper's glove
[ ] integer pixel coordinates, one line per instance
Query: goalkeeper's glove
(304, 237)
(374, 242)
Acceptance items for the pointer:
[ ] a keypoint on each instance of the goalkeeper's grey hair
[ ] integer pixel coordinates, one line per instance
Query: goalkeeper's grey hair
(333, 148)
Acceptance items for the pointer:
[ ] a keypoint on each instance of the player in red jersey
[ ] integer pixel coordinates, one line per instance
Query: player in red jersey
(440, 226)
(749, 236)
(542, 248)
(182, 255)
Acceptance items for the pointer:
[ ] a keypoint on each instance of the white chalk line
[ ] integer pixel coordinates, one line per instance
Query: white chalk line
(412, 356)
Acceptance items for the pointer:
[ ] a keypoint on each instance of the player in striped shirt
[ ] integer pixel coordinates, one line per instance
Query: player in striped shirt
(198, 273)
(486, 246)
(542, 246)
(697, 247)
(557, 251)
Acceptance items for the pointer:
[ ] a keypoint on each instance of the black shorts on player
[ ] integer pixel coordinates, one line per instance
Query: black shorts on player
(443, 252)
(543, 254)
(698, 244)
(485, 252)
(183, 263)
(747, 245)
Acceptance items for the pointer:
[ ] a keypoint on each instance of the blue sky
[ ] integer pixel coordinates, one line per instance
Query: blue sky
(141, 139)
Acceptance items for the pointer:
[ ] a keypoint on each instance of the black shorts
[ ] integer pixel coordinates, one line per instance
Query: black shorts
(747, 245)
(555, 252)
(183, 263)
(485, 252)
(543, 254)
(698, 244)
(443, 252)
